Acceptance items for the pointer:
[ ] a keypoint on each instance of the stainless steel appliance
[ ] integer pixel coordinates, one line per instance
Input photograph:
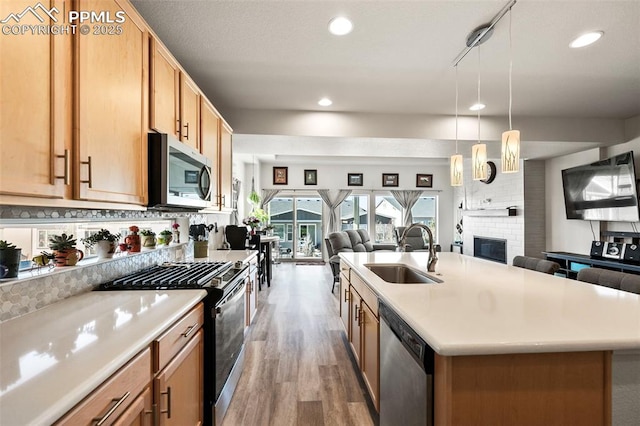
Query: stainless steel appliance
(406, 373)
(179, 176)
(223, 332)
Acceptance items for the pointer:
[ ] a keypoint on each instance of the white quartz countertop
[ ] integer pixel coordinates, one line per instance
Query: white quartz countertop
(228, 256)
(52, 358)
(483, 307)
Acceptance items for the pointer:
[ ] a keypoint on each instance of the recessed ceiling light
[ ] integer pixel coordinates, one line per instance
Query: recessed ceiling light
(477, 107)
(586, 39)
(325, 102)
(340, 26)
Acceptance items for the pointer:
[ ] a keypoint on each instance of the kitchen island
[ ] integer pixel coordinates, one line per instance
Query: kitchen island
(511, 341)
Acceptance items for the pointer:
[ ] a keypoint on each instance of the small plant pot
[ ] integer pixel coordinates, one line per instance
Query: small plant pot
(164, 239)
(105, 249)
(148, 242)
(200, 249)
(67, 257)
(10, 260)
(133, 241)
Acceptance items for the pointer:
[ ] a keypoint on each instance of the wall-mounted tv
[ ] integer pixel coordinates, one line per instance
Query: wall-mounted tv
(604, 190)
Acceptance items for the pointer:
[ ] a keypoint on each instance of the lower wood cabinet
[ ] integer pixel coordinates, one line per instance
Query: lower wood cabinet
(359, 315)
(251, 301)
(162, 385)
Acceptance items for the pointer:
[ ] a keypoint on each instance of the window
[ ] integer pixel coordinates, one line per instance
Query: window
(388, 216)
(354, 212)
(425, 212)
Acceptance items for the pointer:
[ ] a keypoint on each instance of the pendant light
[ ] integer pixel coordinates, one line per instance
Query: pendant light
(479, 150)
(456, 159)
(511, 138)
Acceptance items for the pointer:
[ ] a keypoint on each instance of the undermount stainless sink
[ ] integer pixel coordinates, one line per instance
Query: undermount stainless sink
(401, 274)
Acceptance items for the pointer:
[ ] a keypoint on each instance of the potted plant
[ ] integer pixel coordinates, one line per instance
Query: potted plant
(133, 239)
(165, 237)
(104, 241)
(64, 249)
(148, 239)
(9, 259)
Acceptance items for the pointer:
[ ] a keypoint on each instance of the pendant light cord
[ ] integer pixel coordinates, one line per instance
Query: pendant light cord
(478, 47)
(456, 109)
(510, 70)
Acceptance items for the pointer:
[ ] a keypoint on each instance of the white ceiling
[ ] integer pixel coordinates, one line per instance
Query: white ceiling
(278, 55)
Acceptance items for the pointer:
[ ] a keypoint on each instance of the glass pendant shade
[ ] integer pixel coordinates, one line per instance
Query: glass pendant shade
(511, 151)
(479, 161)
(456, 170)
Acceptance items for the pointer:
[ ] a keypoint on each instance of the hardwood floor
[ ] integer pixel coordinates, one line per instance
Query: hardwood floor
(297, 369)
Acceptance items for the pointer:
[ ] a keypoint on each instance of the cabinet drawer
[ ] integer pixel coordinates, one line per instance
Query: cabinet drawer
(176, 337)
(113, 397)
(366, 293)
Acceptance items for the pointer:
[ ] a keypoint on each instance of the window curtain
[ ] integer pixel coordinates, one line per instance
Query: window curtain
(235, 186)
(267, 195)
(406, 199)
(333, 203)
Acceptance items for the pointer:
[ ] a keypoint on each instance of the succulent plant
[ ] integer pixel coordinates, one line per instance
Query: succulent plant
(166, 232)
(6, 245)
(148, 233)
(101, 235)
(62, 242)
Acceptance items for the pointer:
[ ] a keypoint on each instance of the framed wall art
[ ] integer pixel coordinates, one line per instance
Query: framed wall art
(310, 177)
(390, 179)
(424, 181)
(280, 175)
(354, 179)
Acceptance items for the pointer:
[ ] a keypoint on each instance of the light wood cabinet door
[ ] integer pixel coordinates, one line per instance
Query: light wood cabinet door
(251, 300)
(139, 412)
(164, 104)
(226, 167)
(210, 145)
(189, 112)
(35, 108)
(355, 312)
(344, 302)
(370, 358)
(179, 387)
(111, 110)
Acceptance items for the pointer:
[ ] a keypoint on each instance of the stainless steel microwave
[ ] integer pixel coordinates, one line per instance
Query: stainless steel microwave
(179, 176)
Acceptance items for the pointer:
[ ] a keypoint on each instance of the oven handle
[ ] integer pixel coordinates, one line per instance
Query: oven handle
(236, 293)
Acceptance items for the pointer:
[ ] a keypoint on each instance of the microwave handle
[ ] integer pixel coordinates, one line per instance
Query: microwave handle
(204, 195)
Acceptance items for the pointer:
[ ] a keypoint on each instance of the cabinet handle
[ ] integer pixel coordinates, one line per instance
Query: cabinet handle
(357, 314)
(168, 410)
(88, 163)
(178, 126)
(346, 294)
(186, 136)
(190, 330)
(361, 319)
(67, 167)
(118, 401)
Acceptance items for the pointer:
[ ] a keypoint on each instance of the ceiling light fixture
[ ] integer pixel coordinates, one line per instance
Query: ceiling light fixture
(325, 102)
(340, 26)
(479, 150)
(586, 39)
(510, 139)
(477, 107)
(456, 159)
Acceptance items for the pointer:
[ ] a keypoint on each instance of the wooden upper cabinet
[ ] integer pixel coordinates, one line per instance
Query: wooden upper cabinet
(35, 109)
(164, 106)
(210, 143)
(112, 110)
(226, 167)
(189, 112)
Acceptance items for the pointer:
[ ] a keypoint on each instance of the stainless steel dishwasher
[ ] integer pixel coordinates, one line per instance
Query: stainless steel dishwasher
(406, 373)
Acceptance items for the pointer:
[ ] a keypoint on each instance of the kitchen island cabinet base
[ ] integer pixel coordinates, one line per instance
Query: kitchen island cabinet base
(524, 389)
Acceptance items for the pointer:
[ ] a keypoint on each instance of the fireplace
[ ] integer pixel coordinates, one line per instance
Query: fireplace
(490, 248)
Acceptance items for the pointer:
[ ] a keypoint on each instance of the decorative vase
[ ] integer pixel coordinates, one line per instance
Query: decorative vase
(105, 249)
(176, 236)
(200, 249)
(67, 257)
(10, 259)
(133, 241)
(148, 242)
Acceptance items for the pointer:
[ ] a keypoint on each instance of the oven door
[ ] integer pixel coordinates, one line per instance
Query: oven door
(229, 330)
(178, 175)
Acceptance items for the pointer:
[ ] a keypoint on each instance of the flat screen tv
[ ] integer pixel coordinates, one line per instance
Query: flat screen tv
(604, 190)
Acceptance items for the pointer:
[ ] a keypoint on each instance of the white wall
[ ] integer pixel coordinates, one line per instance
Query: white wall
(335, 177)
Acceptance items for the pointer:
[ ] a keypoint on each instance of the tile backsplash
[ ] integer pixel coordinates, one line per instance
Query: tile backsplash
(35, 290)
